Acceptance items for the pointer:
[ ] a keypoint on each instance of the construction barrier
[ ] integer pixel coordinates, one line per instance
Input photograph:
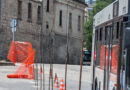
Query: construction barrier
(56, 83)
(113, 56)
(22, 52)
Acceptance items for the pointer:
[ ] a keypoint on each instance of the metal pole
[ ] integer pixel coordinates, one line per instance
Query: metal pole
(81, 64)
(42, 25)
(37, 76)
(120, 59)
(52, 62)
(104, 84)
(41, 79)
(13, 34)
(49, 78)
(67, 47)
(108, 63)
(51, 52)
(49, 88)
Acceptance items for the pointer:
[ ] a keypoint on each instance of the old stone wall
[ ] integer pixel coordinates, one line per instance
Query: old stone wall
(74, 49)
(54, 36)
(57, 44)
(26, 31)
(76, 11)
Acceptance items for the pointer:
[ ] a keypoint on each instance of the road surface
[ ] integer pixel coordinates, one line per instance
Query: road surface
(24, 84)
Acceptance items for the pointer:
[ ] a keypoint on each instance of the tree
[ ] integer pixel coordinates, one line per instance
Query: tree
(100, 4)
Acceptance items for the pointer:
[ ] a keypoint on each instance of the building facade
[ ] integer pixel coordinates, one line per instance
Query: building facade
(64, 21)
(28, 29)
(61, 19)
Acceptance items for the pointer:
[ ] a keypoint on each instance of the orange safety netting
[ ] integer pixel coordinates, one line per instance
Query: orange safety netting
(113, 57)
(22, 52)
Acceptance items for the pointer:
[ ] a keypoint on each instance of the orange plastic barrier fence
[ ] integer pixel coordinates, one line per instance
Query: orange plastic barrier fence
(113, 57)
(22, 52)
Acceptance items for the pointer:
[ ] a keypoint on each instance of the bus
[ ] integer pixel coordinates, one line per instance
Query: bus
(111, 47)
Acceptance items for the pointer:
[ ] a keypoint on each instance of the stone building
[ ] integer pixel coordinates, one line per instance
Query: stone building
(61, 18)
(28, 14)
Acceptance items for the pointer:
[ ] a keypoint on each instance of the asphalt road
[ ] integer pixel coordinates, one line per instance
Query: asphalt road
(24, 84)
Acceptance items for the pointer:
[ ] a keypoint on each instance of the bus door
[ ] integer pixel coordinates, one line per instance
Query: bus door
(107, 63)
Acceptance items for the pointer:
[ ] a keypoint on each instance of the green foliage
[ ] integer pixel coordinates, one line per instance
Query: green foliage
(100, 4)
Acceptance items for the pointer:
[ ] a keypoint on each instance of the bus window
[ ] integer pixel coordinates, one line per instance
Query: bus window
(101, 34)
(105, 33)
(97, 34)
(112, 32)
(117, 30)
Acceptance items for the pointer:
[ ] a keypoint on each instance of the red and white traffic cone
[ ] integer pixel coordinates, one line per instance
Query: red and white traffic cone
(41, 71)
(56, 83)
(55, 77)
(62, 85)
